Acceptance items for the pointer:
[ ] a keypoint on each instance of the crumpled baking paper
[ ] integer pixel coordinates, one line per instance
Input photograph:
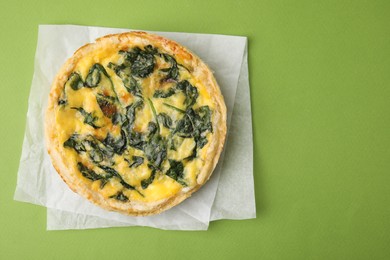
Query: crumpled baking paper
(229, 194)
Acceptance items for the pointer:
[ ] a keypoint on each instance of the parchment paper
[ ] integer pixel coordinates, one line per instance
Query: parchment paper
(228, 194)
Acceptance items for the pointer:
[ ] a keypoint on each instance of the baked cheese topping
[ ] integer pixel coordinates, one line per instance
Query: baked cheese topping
(134, 123)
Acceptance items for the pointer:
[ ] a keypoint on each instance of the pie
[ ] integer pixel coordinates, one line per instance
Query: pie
(135, 123)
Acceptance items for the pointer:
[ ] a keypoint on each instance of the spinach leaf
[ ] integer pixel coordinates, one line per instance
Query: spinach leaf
(152, 129)
(132, 54)
(172, 73)
(113, 173)
(176, 171)
(185, 127)
(200, 142)
(91, 146)
(131, 110)
(119, 68)
(174, 141)
(118, 119)
(120, 196)
(94, 75)
(74, 142)
(150, 49)
(141, 62)
(154, 115)
(203, 125)
(110, 172)
(131, 84)
(205, 118)
(164, 94)
(136, 140)
(106, 87)
(136, 63)
(93, 176)
(75, 81)
(165, 120)
(117, 145)
(137, 161)
(156, 150)
(195, 124)
(189, 91)
(129, 56)
(143, 65)
(89, 118)
(145, 183)
(88, 173)
(126, 185)
(93, 150)
(93, 78)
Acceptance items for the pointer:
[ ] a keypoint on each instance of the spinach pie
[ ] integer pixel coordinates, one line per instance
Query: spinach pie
(135, 123)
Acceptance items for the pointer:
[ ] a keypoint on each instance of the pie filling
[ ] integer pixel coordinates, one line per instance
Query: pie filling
(135, 124)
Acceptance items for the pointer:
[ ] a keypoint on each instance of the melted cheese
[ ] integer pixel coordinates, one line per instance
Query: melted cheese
(183, 151)
(68, 121)
(191, 170)
(102, 56)
(162, 188)
(109, 189)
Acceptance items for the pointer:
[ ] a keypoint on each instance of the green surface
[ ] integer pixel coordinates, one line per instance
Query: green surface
(320, 85)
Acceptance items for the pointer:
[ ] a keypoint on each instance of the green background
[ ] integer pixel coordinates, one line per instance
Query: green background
(320, 86)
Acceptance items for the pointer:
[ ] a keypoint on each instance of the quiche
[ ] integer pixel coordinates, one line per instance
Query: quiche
(135, 123)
